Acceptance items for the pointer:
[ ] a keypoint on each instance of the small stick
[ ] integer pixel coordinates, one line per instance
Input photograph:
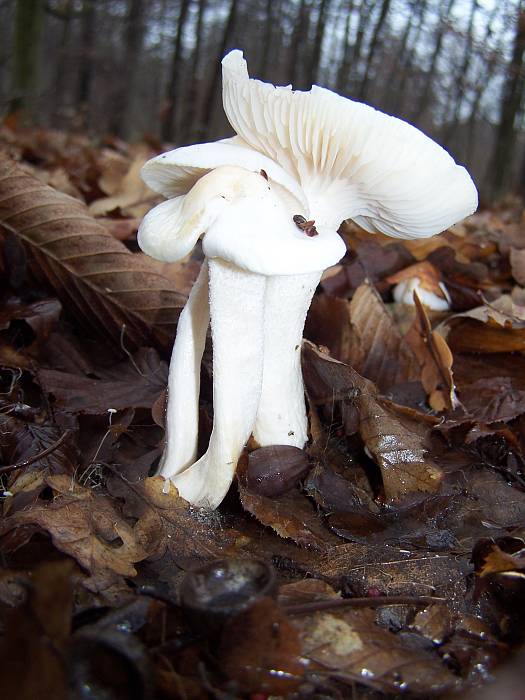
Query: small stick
(368, 602)
(35, 458)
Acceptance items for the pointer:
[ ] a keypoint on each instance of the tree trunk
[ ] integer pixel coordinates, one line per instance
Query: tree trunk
(364, 18)
(424, 101)
(482, 82)
(408, 61)
(29, 17)
(299, 37)
(460, 86)
(273, 13)
(168, 128)
(315, 56)
(374, 43)
(87, 44)
(344, 67)
(209, 102)
(397, 62)
(190, 128)
(121, 121)
(512, 98)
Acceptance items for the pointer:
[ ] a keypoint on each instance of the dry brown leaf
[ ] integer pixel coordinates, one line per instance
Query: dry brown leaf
(137, 384)
(106, 287)
(427, 274)
(386, 358)
(328, 324)
(131, 195)
(495, 327)
(490, 559)
(435, 358)
(517, 263)
(168, 527)
(121, 229)
(84, 525)
(397, 445)
(34, 644)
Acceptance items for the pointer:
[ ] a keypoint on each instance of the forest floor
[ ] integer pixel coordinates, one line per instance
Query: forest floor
(398, 556)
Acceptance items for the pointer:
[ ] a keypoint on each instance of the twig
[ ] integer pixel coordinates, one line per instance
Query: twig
(368, 602)
(35, 458)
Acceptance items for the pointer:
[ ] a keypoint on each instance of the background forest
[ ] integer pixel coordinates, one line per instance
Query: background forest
(150, 68)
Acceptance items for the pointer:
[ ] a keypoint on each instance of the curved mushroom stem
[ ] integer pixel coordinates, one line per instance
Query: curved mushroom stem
(182, 417)
(237, 311)
(281, 417)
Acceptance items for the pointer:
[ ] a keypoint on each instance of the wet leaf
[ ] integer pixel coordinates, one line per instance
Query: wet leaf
(397, 447)
(260, 650)
(104, 286)
(290, 515)
(351, 647)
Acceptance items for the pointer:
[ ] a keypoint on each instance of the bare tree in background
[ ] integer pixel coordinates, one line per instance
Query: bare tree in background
(172, 93)
(213, 89)
(87, 46)
(372, 49)
(130, 66)
(513, 91)
(28, 31)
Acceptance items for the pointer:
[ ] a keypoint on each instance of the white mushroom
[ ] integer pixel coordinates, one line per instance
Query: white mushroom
(403, 293)
(268, 203)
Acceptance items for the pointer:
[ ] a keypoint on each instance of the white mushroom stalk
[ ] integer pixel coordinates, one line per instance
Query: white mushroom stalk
(268, 204)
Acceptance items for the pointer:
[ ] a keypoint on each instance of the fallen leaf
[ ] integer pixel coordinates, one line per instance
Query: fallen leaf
(260, 650)
(351, 647)
(135, 383)
(34, 644)
(290, 515)
(517, 263)
(84, 525)
(130, 194)
(328, 324)
(398, 448)
(385, 356)
(435, 359)
(105, 287)
(495, 327)
(371, 261)
(167, 527)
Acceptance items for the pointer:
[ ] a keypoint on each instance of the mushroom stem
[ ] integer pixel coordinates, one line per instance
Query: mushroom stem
(182, 417)
(281, 417)
(237, 311)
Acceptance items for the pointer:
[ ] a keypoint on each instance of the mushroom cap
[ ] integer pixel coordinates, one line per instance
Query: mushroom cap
(352, 161)
(244, 221)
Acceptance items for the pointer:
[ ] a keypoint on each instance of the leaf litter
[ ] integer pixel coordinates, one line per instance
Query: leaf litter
(396, 538)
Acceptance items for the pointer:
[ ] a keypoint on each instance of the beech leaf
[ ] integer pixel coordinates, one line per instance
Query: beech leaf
(398, 449)
(106, 287)
(386, 358)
